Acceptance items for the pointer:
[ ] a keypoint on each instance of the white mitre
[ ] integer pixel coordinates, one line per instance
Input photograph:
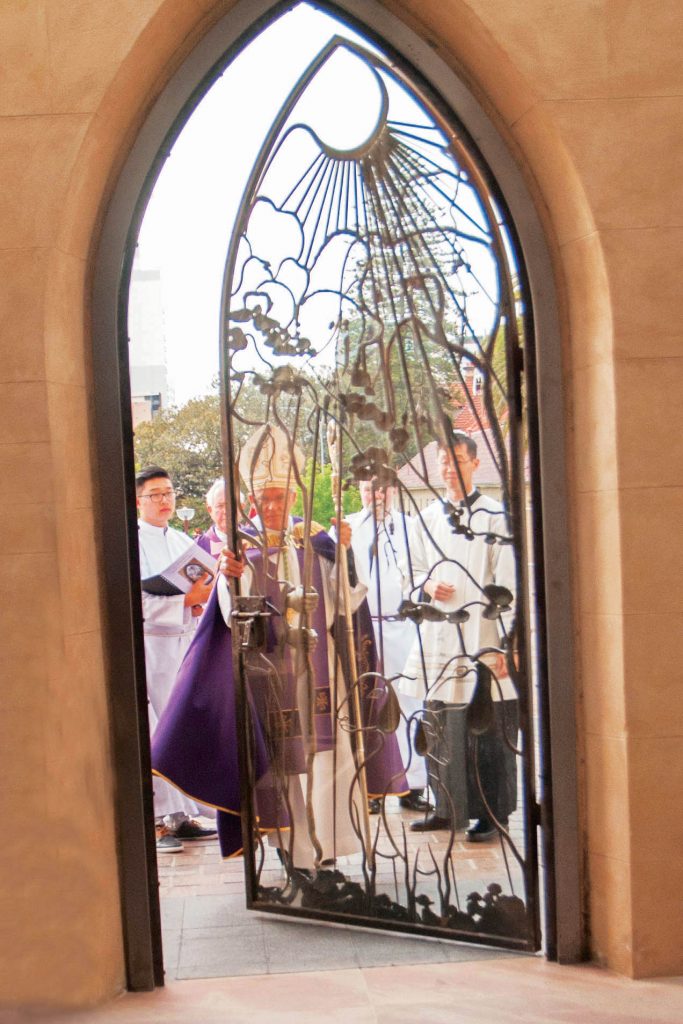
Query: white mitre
(266, 460)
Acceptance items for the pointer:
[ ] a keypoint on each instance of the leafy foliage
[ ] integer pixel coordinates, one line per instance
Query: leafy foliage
(186, 442)
(324, 501)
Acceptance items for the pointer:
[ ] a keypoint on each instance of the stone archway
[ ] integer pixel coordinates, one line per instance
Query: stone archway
(100, 162)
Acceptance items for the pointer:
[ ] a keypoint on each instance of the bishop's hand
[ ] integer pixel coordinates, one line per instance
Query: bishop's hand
(300, 600)
(230, 565)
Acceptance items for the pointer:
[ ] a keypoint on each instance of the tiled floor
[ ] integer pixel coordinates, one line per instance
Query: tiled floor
(241, 967)
(287, 974)
(519, 990)
(209, 933)
(215, 937)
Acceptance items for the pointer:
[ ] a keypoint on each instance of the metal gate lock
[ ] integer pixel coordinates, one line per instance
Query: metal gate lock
(250, 616)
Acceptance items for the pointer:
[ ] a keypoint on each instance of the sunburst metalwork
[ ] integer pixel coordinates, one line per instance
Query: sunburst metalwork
(372, 311)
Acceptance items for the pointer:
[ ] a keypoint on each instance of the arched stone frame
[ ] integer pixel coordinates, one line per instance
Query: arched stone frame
(114, 455)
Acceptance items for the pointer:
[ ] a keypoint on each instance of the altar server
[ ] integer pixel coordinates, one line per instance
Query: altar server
(457, 548)
(379, 542)
(169, 623)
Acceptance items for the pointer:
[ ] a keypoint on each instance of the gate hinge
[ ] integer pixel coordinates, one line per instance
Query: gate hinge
(536, 814)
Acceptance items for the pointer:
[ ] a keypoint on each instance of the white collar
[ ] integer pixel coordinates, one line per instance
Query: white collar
(154, 531)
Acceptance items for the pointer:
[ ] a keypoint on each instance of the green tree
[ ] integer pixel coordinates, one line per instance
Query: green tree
(324, 501)
(186, 441)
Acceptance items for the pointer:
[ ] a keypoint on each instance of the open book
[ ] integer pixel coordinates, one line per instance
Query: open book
(179, 576)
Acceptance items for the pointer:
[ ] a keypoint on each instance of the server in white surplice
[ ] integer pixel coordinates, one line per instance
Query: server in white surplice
(449, 570)
(379, 537)
(169, 626)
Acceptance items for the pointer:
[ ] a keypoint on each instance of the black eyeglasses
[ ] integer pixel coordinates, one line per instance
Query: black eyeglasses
(159, 496)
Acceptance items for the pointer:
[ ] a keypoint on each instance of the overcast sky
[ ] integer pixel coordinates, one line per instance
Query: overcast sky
(188, 222)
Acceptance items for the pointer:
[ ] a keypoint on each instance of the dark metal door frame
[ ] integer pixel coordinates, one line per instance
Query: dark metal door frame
(114, 454)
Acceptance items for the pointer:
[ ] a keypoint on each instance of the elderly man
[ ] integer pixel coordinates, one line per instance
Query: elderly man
(299, 682)
(379, 539)
(215, 538)
(470, 776)
(170, 622)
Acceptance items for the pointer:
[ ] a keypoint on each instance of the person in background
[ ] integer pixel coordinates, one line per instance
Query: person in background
(169, 624)
(471, 777)
(215, 538)
(378, 540)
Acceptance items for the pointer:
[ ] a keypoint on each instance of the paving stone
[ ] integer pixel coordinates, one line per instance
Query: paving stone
(217, 912)
(221, 952)
(206, 922)
(171, 948)
(172, 908)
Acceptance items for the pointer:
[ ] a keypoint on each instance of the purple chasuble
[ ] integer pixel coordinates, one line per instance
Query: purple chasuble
(211, 542)
(195, 744)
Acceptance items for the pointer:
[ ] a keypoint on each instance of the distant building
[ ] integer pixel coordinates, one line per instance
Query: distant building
(148, 392)
(148, 372)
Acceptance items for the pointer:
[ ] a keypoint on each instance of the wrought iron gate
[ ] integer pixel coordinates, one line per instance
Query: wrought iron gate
(373, 315)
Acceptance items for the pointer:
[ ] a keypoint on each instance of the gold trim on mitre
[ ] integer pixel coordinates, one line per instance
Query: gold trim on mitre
(265, 460)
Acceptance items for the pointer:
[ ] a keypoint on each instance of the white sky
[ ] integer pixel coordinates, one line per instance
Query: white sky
(189, 219)
(186, 230)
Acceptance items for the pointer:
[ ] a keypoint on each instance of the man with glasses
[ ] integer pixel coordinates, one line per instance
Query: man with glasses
(457, 548)
(379, 537)
(169, 624)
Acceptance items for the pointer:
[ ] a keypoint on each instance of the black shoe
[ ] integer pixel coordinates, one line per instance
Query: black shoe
(482, 830)
(192, 831)
(432, 823)
(414, 801)
(374, 806)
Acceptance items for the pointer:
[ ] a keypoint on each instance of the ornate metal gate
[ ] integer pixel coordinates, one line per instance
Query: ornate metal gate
(373, 313)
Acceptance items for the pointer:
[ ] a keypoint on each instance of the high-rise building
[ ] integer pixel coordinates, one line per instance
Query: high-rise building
(147, 344)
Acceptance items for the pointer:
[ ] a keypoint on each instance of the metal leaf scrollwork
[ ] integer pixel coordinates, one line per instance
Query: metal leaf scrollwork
(372, 307)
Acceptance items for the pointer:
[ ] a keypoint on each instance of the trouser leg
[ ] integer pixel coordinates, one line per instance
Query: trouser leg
(446, 761)
(491, 759)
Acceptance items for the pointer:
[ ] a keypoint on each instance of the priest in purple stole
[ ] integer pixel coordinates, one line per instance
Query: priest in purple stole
(215, 538)
(308, 761)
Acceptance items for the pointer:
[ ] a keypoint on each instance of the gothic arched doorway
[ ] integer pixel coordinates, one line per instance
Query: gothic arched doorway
(391, 285)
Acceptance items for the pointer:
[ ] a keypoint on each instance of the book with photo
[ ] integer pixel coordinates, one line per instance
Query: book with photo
(179, 577)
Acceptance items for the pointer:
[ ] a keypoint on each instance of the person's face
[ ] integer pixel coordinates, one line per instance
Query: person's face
(217, 510)
(449, 474)
(383, 497)
(274, 504)
(156, 501)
